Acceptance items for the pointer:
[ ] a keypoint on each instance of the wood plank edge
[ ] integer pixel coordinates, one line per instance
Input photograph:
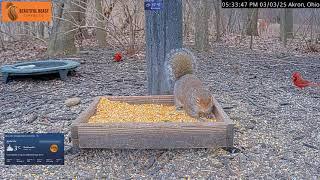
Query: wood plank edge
(221, 113)
(230, 135)
(75, 143)
(84, 117)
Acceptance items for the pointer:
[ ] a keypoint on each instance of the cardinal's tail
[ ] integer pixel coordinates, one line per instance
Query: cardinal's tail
(315, 84)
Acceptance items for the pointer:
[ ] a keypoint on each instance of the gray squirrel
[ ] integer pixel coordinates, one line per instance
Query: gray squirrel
(189, 92)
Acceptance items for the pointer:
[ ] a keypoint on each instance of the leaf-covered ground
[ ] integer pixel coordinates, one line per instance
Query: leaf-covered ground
(277, 126)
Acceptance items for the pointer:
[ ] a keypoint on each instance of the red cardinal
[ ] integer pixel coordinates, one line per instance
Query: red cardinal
(300, 82)
(117, 57)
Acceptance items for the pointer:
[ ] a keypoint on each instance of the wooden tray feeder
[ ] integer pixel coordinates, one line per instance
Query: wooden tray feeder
(151, 135)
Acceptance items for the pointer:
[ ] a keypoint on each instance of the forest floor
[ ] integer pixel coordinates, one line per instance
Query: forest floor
(277, 126)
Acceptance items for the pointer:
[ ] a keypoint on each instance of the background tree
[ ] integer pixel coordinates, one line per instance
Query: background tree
(62, 38)
(122, 22)
(286, 24)
(41, 30)
(100, 33)
(82, 7)
(217, 7)
(252, 22)
(202, 25)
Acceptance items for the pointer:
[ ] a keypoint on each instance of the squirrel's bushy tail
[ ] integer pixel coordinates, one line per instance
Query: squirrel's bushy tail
(180, 62)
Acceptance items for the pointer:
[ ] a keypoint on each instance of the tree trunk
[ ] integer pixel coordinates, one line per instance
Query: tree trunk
(217, 6)
(222, 22)
(185, 16)
(25, 30)
(101, 34)
(131, 21)
(187, 19)
(2, 42)
(82, 18)
(63, 31)
(201, 25)
(252, 22)
(34, 29)
(286, 24)
(231, 21)
(163, 33)
(47, 30)
(312, 19)
(41, 30)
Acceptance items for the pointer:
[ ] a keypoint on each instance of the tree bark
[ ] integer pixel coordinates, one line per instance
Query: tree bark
(252, 22)
(201, 25)
(163, 33)
(230, 21)
(313, 15)
(286, 24)
(100, 34)
(186, 11)
(82, 18)
(217, 6)
(63, 30)
(41, 30)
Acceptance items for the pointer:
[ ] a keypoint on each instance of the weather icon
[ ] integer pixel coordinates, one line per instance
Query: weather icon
(9, 148)
(54, 148)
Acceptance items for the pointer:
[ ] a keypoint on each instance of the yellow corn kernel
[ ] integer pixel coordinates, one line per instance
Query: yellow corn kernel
(115, 111)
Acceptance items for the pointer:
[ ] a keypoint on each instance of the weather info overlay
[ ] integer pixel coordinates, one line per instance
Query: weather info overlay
(153, 4)
(34, 148)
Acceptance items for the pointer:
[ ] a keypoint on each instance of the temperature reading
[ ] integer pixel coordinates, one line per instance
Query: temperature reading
(153, 4)
(16, 148)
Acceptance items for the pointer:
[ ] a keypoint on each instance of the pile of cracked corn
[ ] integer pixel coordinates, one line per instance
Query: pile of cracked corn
(115, 111)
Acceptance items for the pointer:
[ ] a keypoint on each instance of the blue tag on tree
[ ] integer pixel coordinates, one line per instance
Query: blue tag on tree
(153, 4)
(34, 148)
